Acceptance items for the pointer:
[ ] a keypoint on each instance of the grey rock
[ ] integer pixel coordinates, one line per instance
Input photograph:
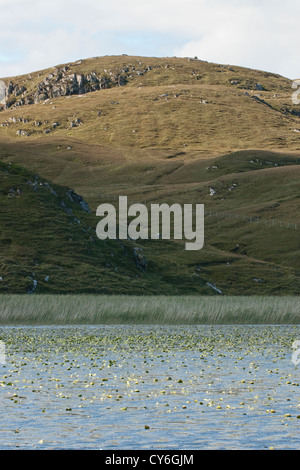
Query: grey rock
(140, 259)
(78, 199)
(213, 286)
(67, 209)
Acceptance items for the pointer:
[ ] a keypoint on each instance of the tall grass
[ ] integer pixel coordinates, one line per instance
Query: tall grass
(121, 309)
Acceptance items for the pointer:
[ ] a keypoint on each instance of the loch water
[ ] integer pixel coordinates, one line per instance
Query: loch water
(150, 387)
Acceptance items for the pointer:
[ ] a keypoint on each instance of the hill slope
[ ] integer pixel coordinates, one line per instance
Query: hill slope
(169, 130)
(154, 103)
(48, 243)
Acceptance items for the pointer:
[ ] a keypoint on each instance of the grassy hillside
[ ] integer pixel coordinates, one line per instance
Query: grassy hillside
(159, 103)
(48, 242)
(157, 130)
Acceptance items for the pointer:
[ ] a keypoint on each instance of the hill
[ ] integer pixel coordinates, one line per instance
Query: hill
(170, 130)
(48, 242)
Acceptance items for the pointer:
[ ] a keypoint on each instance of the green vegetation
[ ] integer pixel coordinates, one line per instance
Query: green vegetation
(157, 309)
(48, 242)
(172, 133)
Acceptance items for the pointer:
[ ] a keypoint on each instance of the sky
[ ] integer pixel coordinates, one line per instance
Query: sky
(260, 34)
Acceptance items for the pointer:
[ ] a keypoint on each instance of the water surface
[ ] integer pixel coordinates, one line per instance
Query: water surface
(149, 387)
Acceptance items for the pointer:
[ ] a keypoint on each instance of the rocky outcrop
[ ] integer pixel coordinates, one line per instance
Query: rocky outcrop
(14, 90)
(64, 81)
(78, 200)
(37, 183)
(140, 259)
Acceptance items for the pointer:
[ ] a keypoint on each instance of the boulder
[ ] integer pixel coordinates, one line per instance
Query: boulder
(140, 259)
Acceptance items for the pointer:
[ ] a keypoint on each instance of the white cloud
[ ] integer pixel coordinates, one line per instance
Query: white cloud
(256, 37)
(260, 34)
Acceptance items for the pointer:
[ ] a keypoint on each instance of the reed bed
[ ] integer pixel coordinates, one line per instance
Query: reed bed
(121, 309)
